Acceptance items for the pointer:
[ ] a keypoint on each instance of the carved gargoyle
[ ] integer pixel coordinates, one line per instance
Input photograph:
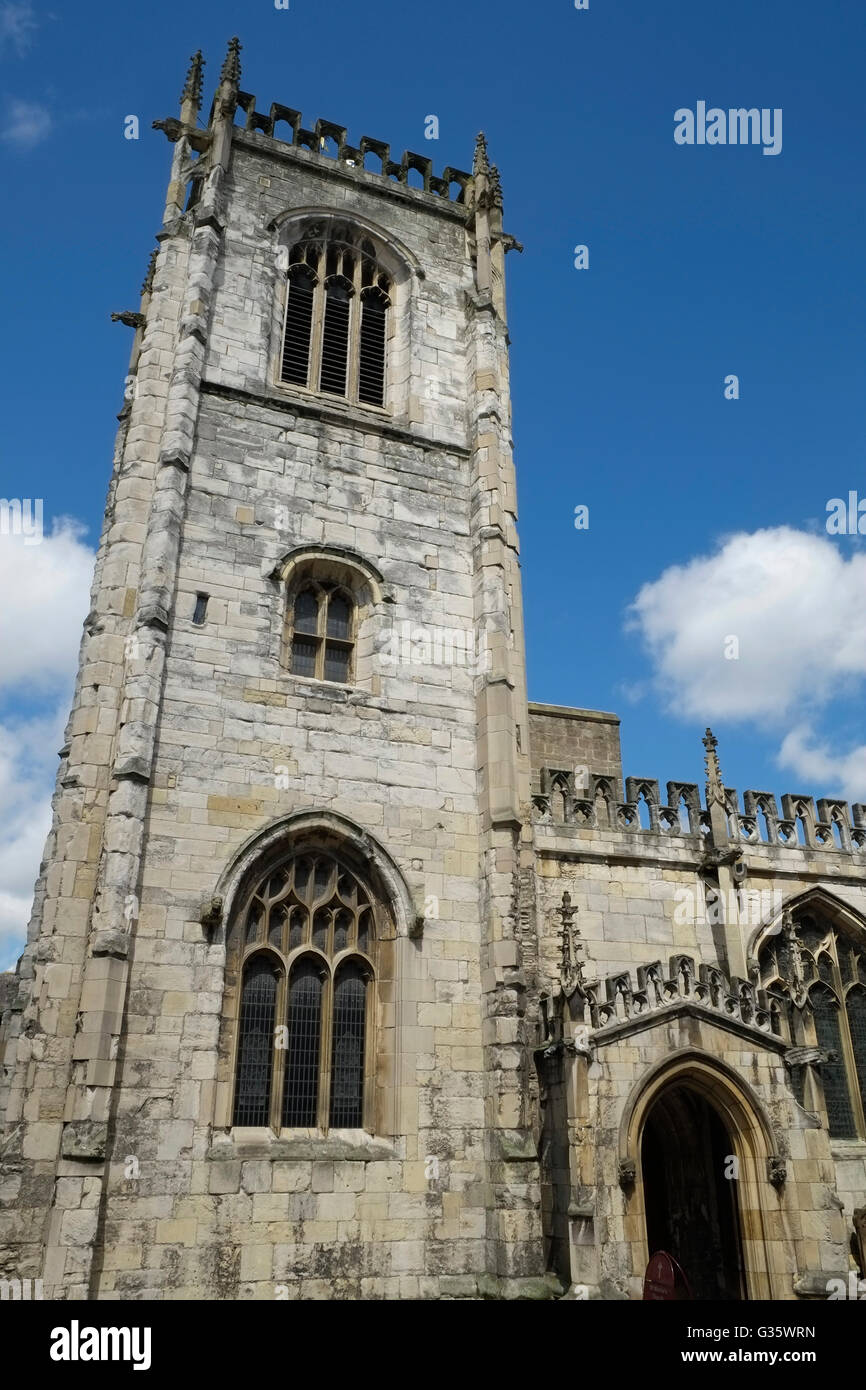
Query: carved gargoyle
(211, 913)
(627, 1172)
(171, 127)
(777, 1170)
(130, 318)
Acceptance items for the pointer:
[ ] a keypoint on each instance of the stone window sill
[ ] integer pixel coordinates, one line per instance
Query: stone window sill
(338, 1144)
(848, 1148)
(338, 405)
(326, 690)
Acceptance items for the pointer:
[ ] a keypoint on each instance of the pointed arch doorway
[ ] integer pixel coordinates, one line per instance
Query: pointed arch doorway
(689, 1169)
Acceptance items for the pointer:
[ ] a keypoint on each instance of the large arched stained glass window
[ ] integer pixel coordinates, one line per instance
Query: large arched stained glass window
(308, 974)
(834, 965)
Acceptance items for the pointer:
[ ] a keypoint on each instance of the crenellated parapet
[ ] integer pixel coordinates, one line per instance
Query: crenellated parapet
(585, 799)
(325, 138)
(595, 800)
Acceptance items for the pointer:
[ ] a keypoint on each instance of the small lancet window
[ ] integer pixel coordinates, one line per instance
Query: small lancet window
(322, 638)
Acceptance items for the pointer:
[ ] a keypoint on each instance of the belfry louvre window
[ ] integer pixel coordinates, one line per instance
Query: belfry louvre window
(322, 638)
(336, 324)
(834, 970)
(305, 1017)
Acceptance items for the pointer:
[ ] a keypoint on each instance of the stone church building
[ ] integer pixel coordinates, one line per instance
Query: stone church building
(351, 973)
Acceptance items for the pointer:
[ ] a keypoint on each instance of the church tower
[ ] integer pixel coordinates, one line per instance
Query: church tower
(269, 1037)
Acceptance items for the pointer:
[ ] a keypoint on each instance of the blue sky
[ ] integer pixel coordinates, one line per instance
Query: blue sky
(703, 261)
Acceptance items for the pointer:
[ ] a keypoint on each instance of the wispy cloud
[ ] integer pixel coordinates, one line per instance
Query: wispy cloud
(18, 24)
(804, 754)
(27, 124)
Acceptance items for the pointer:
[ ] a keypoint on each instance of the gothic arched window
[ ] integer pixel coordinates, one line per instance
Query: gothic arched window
(336, 322)
(834, 969)
(305, 1016)
(321, 632)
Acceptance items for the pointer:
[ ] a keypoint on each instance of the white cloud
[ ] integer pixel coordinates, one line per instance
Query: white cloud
(27, 124)
(17, 25)
(815, 762)
(28, 764)
(793, 602)
(45, 590)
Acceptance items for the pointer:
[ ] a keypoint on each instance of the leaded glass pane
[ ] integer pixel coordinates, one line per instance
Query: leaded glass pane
(811, 934)
(339, 617)
(323, 876)
(840, 1114)
(342, 927)
(255, 1043)
(304, 656)
(276, 924)
(825, 969)
(337, 663)
(347, 1075)
(277, 883)
(303, 869)
(306, 612)
(296, 930)
(301, 1094)
(364, 931)
(856, 1009)
(255, 915)
(321, 923)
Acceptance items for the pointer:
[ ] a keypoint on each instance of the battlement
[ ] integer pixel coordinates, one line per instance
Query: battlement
(583, 798)
(323, 138)
(331, 140)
